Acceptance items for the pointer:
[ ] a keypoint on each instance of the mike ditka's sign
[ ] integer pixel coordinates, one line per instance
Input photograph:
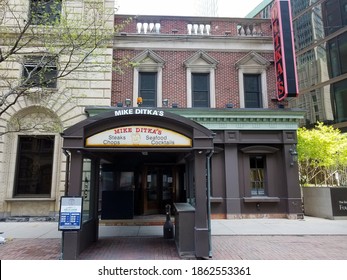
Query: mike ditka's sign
(285, 62)
(138, 136)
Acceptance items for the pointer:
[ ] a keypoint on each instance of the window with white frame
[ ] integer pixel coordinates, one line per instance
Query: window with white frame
(252, 70)
(201, 80)
(148, 79)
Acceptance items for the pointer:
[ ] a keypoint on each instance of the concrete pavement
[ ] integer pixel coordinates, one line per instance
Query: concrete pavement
(247, 239)
(307, 226)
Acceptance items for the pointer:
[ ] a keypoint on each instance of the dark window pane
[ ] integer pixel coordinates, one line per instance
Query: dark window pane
(252, 87)
(334, 15)
(40, 72)
(200, 89)
(34, 166)
(148, 88)
(342, 41)
(340, 101)
(257, 175)
(45, 12)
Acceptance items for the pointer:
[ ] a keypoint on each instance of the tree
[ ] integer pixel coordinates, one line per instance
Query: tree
(50, 42)
(322, 155)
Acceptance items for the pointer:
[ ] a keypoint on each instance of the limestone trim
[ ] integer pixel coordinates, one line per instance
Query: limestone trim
(148, 61)
(201, 62)
(253, 63)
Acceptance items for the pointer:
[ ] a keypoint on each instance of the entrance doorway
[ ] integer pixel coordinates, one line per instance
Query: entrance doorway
(136, 188)
(159, 188)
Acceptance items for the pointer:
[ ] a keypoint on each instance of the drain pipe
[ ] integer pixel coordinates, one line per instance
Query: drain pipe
(209, 155)
(66, 192)
(67, 171)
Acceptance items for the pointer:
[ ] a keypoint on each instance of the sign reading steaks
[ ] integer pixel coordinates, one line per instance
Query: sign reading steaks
(138, 136)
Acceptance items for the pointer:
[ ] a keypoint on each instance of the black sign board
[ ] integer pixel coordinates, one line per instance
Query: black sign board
(339, 201)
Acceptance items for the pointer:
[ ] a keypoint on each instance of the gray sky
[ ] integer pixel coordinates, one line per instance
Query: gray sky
(227, 8)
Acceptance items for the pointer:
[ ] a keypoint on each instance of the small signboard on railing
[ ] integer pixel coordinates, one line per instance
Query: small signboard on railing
(70, 214)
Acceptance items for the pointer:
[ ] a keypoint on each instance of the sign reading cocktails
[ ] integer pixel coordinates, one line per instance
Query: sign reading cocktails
(138, 136)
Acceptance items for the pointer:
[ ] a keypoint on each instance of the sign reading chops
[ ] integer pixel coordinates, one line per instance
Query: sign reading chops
(138, 136)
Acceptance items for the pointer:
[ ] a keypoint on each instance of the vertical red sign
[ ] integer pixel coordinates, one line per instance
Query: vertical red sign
(284, 50)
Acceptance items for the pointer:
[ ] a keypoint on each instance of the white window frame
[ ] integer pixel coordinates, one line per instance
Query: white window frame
(159, 72)
(148, 61)
(193, 70)
(262, 73)
(253, 63)
(200, 62)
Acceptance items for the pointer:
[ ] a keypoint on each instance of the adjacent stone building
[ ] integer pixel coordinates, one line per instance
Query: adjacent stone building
(32, 165)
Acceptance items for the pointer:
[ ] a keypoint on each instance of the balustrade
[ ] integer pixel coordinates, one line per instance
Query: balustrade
(246, 27)
(145, 27)
(198, 29)
(249, 29)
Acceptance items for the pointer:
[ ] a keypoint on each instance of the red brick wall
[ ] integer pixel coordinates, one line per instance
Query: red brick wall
(174, 77)
(174, 71)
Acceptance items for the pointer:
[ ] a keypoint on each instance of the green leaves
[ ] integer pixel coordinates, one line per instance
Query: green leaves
(322, 153)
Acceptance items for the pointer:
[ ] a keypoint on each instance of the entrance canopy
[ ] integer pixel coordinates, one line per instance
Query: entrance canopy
(167, 154)
(138, 128)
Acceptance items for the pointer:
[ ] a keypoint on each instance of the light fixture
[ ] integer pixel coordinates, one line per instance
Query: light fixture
(139, 101)
(165, 102)
(119, 104)
(174, 105)
(128, 102)
(229, 105)
(293, 154)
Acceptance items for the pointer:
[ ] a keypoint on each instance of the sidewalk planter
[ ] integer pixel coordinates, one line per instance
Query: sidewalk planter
(325, 202)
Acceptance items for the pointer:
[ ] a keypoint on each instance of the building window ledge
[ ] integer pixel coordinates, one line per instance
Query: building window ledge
(29, 199)
(216, 199)
(258, 199)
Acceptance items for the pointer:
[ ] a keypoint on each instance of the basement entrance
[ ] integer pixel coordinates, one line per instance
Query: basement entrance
(136, 161)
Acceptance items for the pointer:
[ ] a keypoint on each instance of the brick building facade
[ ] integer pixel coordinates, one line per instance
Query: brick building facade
(224, 56)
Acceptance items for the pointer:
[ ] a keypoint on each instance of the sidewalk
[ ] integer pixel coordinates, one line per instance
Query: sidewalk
(307, 226)
(247, 239)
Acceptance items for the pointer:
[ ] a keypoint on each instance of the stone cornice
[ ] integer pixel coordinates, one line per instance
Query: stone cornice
(231, 119)
(244, 119)
(189, 42)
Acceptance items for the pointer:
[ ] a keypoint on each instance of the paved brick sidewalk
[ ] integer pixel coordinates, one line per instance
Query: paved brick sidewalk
(291, 247)
(267, 247)
(31, 249)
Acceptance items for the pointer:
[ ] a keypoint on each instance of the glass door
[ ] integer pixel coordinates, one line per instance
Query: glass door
(158, 189)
